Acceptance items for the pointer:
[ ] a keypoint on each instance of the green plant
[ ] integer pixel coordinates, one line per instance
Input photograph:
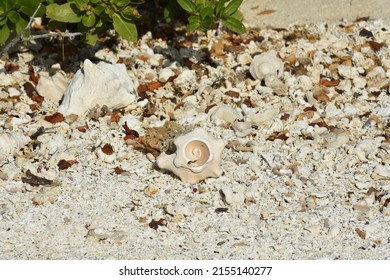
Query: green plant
(15, 15)
(96, 16)
(204, 13)
(93, 17)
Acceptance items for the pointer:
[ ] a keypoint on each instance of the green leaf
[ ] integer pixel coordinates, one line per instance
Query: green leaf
(63, 13)
(207, 21)
(28, 7)
(13, 16)
(232, 7)
(54, 24)
(207, 12)
(98, 9)
(237, 15)
(6, 5)
(219, 7)
(130, 13)
(126, 29)
(20, 25)
(234, 25)
(4, 34)
(91, 38)
(79, 3)
(194, 23)
(187, 5)
(88, 20)
(169, 11)
(123, 3)
(3, 20)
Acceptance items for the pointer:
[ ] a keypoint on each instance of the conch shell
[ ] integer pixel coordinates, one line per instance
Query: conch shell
(97, 85)
(11, 143)
(197, 157)
(266, 65)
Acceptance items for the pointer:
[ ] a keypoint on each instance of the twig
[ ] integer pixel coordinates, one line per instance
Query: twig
(20, 37)
(56, 34)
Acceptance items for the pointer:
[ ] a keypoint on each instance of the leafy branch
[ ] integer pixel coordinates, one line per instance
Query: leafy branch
(94, 17)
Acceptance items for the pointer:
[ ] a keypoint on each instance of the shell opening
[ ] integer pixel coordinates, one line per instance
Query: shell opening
(197, 153)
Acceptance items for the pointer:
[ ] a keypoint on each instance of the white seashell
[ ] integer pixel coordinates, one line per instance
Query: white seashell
(97, 85)
(224, 113)
(266, 64)
(197, 157)
(53, 87)
(242, 129)
(11, 143)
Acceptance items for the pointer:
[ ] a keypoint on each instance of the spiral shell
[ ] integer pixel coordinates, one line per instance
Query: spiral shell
(11, 143)
(197, 157)
(266, 64)
(197, 153)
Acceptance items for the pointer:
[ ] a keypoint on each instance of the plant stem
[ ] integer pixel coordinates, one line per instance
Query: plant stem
(16, 40)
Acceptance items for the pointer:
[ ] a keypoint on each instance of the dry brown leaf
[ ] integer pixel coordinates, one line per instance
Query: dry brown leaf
(361, 233)
(65, 164)
(107, 149)
(153, 85)
(55, 118)
(33, 76)
(329, 83)
(34, 180)
(266, 12)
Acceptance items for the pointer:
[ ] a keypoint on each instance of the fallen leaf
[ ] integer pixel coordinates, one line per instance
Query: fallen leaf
(34, 180)
(329, 83)
(55, 118)
(375, 45)
(65, 164)
(107, 149)
(33, 76)
(232, 93)
(153, 85)
(143, 58)
(118, 170)
(11, 67)
(130, 132)
(278, 135)
(155, 224)
(311, 109)
(361, 233)
(285, 117)
(115, 116)
(366, 33)
(221, 210)
(83, 128)
(31, 93)
(266, 12)
(208, 108)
